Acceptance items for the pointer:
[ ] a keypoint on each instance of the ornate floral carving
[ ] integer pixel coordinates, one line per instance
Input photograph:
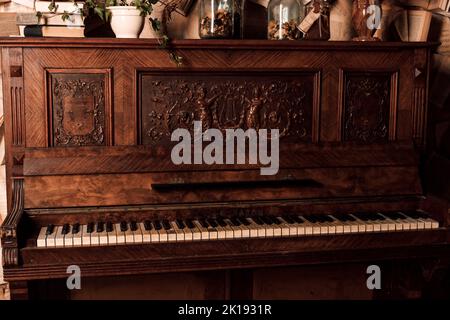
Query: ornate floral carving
(367, 103)
(228, 102)
(78, 110)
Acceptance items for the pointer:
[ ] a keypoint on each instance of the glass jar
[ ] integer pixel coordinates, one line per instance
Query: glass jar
(283, 19)
(216, 19)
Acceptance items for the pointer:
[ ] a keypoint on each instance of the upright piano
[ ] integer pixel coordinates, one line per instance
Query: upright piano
(91, 182)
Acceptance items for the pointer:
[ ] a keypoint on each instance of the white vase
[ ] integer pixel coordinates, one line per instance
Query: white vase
(157, 13)
(126, 21)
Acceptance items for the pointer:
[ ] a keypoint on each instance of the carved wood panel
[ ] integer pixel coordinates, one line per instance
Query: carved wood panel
(287, 101)
(79, 107)
(368, 106)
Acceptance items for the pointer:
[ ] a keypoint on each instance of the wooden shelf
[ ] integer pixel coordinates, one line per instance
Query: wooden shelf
(209, 44)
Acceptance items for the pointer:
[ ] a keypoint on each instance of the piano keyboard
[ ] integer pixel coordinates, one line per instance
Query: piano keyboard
(132, 232)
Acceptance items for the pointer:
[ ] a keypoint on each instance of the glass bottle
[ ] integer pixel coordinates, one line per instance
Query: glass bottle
(283, 19)
(216, 19)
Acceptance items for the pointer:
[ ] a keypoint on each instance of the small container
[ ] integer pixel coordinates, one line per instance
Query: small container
(316, 25)
(283, 19)
(216, 19)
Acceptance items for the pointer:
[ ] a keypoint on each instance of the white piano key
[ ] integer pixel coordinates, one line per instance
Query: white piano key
(203, 231)
(412, 224)
(253, 230)
(301, 230)
(103, 237)
(146, 237)
(339, 228)
(51, 242)
(229, 231)
(129, 235)
(285, 228)
(392, 224)
(59, 238)
(292, 227)
(95, 237)
(137, 234)
(331, 225)
(196, 232)
(261, 230)
(68, 238)
(119, 234)
(308, 226)
(41, 240)
(154, 234)
(77, 237)
(360, 224)
(179, 234)
(221, 232)
(112, 235)
(188, 234)
(237, 231)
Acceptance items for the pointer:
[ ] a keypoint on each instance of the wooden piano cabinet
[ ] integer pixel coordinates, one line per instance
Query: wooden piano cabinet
(88, 127)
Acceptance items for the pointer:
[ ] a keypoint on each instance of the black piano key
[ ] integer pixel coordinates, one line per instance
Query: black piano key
(109, 227)
(310, 218)
(275, 220)
(147, 225)
(90, 227)
(203, 223)
(50, 229)
(258, 221)
(235, 221)
(379, 217)
(133, 226)
(350, 218)
(75, 228)
(190, 224)
(221, 222)
(288, 219)
(267, 220)
(65, 229)
(362, 216)
(100, 226)
(341, 217)
(157, 225)
(213, 223)
(123, 226)
(244, 221)
(166, 225)
(328, 218)
(297, 219)
(180, 224)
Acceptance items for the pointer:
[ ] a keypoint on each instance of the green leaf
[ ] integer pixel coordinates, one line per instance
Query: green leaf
(100, 12)
(65, 16)
(156, 24)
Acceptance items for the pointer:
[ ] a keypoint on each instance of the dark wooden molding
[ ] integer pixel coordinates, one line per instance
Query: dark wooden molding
(209, 44)
(9, 228)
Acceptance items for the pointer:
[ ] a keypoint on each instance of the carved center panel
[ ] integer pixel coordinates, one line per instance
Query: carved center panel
(367, 107)
(276, 100)
(78, 109)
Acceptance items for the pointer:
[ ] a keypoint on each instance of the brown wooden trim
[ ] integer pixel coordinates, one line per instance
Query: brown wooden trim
(211, 44)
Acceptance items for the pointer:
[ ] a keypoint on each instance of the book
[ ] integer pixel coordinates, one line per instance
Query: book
(49, 19)
(25, 3)
(69, 6)
(426, 4)
(418, 24)
(8, 25)
(53, 31)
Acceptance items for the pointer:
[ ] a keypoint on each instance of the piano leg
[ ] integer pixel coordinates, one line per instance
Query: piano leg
(18, 290)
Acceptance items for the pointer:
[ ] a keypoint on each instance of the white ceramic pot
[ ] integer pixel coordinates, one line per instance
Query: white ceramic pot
(157, 13)
(126, 21)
